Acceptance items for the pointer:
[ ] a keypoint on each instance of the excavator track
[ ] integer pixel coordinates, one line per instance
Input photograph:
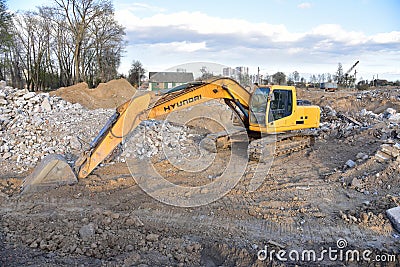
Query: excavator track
(266, 148)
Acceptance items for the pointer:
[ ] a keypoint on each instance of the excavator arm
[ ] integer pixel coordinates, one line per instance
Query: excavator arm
(152, 105)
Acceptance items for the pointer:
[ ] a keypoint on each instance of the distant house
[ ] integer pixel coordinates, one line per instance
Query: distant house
(379, 82)
(165, 80)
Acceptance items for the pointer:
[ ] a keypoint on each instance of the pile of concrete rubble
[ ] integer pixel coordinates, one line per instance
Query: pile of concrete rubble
(33, 125)
(383, 128)
(157, 138)
(344, 124)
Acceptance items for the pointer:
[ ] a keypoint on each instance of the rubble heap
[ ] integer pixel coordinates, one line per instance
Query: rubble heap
(160, 139)
(370, 171)
(341, 125)
(33, 125)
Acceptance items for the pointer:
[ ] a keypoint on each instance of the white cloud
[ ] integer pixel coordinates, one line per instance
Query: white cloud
(386, 37)
(184, 46)
(304, 5)
(335, 32)
(184, 36)
(140, 7)
(201, 23)
(295, 50)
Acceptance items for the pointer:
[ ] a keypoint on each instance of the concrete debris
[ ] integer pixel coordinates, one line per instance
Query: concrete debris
(387, 152)
(390, 111)
(394, 217)
(349, 119)
(350, 164)
(33, 125)
(151, 138)
(395, 118)
(362, 156)
(87, 231)
(46, 106)
(385, 125)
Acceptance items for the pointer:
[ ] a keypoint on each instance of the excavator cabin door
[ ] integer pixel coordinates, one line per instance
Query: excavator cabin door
(258, 106)
(281, 104)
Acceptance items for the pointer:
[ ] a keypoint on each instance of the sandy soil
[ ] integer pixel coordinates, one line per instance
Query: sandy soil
(106, 95)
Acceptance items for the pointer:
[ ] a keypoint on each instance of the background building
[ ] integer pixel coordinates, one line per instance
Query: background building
(164, 80)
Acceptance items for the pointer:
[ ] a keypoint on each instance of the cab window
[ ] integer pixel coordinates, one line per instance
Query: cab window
(258, 105)
(281, 105)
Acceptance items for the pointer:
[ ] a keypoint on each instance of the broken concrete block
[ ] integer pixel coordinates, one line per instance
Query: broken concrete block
(397, 146)
(390, 150)
(29, 95)
(394, 217)
(381, 156)
(46, 106)
(357, 183)
(350, 163)
(362, 156)
(390, 111)
(395, 118)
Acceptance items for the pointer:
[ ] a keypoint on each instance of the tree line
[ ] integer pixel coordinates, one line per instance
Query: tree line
(61, 44)
(339, 77)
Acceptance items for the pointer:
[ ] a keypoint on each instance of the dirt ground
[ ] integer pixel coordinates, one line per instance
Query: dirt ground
(307, 201)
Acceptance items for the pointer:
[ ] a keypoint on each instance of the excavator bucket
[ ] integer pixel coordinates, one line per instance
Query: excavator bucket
(51, 172)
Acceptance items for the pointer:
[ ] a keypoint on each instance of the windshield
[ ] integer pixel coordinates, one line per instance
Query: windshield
(258, 105)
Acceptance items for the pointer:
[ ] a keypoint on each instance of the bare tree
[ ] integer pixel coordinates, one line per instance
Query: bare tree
(5, 40)
(32, 42)
(73, 41)
(329, 77)
(107, 46)
(80, 16)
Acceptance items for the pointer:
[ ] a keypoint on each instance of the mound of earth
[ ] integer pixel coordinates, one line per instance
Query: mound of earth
(106, 95)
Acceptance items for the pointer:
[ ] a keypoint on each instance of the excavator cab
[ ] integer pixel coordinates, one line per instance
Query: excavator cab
(275, 109)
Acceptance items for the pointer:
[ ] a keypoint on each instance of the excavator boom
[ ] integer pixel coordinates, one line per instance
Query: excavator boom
(152, 105)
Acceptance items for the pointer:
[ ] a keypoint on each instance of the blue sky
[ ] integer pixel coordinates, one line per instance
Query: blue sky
(276, 35)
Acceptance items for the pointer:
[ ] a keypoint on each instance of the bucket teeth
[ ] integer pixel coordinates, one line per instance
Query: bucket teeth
(51, 172)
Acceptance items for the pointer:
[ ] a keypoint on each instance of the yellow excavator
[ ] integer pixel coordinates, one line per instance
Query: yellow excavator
(272, 109)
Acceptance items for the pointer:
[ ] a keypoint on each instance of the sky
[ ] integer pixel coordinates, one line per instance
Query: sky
(310, 37)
